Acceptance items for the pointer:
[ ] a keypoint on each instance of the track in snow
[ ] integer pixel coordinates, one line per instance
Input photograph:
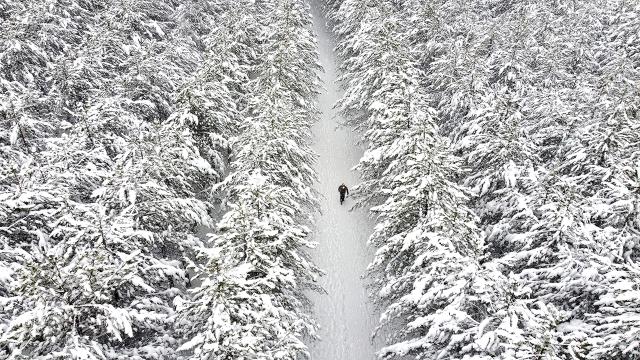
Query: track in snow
(344, 314)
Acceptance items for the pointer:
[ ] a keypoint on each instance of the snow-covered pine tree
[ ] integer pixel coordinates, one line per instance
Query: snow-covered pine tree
(211, 103)
(38, 38)
(615, 207)
(250, 303)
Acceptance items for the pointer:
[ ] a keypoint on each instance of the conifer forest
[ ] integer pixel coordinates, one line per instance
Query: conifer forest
(169, 174)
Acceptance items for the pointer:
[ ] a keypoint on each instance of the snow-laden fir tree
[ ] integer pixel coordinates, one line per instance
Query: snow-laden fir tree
(250, 303)
(615, 207)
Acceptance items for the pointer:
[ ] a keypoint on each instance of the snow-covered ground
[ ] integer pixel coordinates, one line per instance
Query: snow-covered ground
(345, 315)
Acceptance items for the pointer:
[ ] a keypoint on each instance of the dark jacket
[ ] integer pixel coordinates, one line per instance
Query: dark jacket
(342, 189)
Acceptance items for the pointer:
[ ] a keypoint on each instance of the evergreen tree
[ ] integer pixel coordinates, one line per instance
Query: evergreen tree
(251, 303)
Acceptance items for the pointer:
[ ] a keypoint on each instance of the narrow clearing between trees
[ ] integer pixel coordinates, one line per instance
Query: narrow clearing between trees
(344, 314)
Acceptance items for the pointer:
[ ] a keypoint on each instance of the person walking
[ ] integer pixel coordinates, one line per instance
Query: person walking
(343, 190)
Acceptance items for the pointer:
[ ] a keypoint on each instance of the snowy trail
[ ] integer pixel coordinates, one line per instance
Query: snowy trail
(345, 314)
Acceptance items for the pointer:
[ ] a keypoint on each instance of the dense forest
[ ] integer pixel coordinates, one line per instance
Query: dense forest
(124, 126)
(502, 169)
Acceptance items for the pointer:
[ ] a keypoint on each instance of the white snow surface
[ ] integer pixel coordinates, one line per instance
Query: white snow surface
(345, 315)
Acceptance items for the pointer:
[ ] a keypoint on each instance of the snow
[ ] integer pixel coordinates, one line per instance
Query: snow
(345, 315)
